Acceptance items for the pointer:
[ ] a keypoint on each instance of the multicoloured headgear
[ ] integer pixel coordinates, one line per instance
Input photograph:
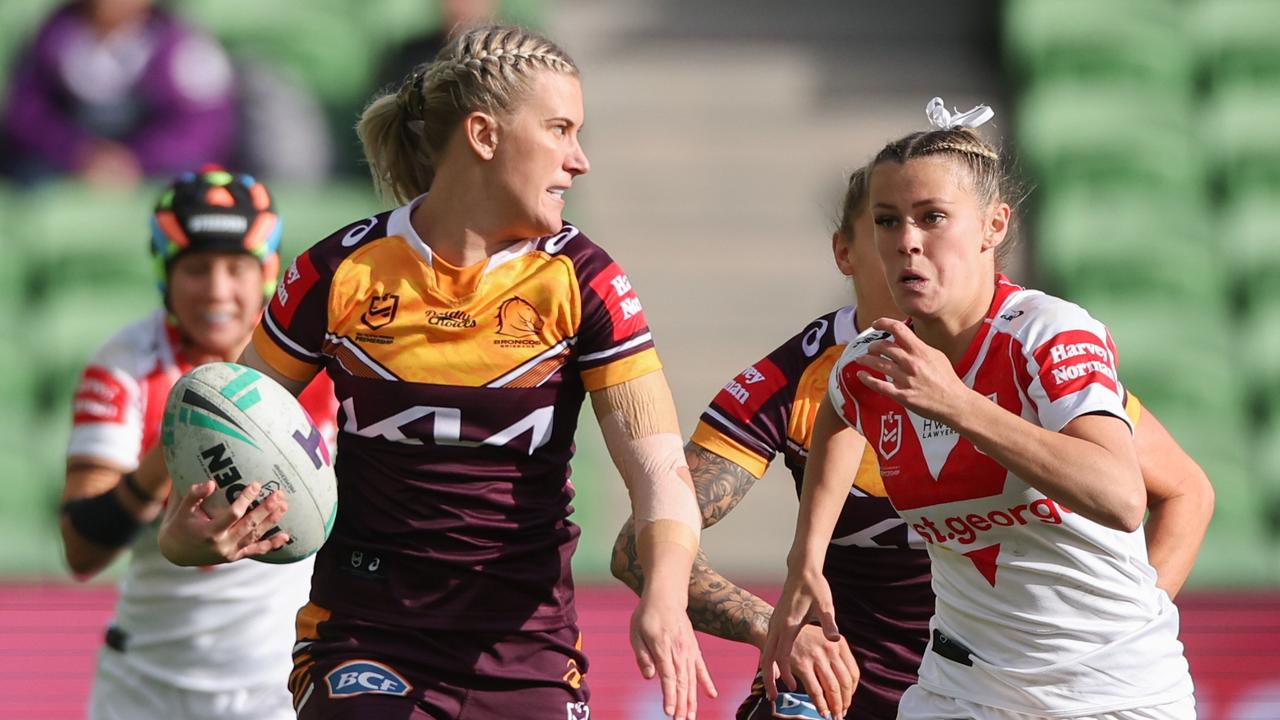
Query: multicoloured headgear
(219, 211)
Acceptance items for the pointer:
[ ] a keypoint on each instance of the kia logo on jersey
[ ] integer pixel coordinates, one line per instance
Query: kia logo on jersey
(890, 435)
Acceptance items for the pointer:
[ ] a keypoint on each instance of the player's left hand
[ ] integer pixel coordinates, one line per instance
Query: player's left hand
(805, 595)
(663, 640)
(825, 669)
(920, 377)
(189, 535)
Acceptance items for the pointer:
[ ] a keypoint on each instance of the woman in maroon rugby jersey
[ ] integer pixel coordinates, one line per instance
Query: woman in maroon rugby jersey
(463, 330)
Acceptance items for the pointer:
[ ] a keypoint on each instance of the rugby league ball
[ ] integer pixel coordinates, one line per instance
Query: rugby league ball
(233, 425)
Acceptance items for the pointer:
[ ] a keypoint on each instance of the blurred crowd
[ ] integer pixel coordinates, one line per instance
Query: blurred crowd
(117, 91)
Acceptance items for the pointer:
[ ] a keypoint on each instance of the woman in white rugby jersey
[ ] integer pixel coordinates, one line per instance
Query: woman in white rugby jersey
(881, 587)
(997, 419)
(184, 642)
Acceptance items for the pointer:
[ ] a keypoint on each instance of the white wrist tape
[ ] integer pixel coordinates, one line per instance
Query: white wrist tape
(657, 475)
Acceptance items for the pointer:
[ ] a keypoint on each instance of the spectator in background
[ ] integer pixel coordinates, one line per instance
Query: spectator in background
(454, 15)
(115, 90)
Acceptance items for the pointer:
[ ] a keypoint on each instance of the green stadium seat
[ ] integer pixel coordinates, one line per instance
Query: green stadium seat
(1171, 355)
(1258, 356)
(1133, 43)
(29, 496)
(323, 43)
(73, 235)
(389, 22)
(1112, 244)
(1249, 232)
(1233, 553)
(312, 213)
(1236, 41)
(1109, 137)
(1242, 138)
(74, 325)
(18, 21)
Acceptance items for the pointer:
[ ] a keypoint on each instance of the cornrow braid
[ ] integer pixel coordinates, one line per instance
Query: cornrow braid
(488, 69)
(497, 49)
(990, 182)
(981, 159)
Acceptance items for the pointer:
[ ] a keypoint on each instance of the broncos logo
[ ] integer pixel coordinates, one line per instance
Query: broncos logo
(518, 318)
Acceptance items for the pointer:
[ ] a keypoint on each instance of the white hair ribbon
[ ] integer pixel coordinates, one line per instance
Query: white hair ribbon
(943, 119)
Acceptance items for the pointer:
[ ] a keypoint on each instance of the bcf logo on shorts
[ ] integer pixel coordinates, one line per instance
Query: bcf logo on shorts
(577, 711)
(360, 677)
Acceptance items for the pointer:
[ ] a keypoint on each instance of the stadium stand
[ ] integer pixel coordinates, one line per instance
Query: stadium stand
(1148, 128)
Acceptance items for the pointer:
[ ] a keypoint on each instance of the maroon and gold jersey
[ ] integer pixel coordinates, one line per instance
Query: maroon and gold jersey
(459, 394)
(877, 567)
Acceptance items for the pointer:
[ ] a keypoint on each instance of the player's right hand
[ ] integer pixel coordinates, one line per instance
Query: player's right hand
(190, 535)
(826, 669)
(805, 594)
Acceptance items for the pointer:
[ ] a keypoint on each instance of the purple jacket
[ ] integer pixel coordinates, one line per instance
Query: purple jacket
(166, 92)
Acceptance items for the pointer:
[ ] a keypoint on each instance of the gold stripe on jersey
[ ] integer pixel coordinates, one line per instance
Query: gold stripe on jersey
(810, 389)
(620, 371)
(538, 372)
(309, 619)
(279, 360)
(712, 440)
(1133, 407)
(355, 362)
(868, 479)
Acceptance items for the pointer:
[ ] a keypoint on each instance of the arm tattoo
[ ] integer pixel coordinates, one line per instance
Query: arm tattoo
(719, 483)
(716, 605)
(719, 607)
(625, 564)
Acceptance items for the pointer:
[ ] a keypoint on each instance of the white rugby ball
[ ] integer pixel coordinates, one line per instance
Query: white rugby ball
(231, 424)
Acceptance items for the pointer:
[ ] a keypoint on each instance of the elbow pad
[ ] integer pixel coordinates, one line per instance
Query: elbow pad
(102, 520)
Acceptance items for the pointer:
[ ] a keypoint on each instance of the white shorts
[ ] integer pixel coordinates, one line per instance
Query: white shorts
(920, 704)
(120, 694)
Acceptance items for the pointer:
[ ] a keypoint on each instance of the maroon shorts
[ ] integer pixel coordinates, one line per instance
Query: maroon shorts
(345, 669)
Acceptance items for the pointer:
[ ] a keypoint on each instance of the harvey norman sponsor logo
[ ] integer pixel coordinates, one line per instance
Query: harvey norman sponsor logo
(1074, 359)
(743, 396)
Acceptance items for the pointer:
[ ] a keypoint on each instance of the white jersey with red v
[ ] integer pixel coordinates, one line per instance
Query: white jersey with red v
(1037, 592)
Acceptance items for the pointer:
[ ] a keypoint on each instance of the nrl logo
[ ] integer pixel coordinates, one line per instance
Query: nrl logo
(382, 310)
(890, 435)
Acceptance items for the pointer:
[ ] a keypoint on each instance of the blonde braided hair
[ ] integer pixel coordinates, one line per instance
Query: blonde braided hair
(488, 69)
(989, 180)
